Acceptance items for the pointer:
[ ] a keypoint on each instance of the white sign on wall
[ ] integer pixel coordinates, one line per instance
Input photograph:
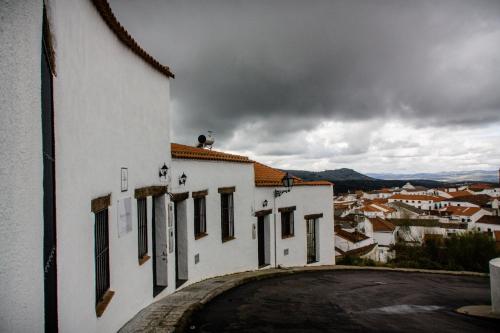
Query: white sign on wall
(124, 215)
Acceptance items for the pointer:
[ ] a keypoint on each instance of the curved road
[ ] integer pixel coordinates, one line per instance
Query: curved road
(349, 301)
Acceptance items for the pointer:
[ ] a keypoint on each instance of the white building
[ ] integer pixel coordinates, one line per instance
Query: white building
(301, 219)
(425, 202)
(97, 220)
(465, 214)
(76, 145)
(488, 223)
(384, 234)
(261, 230)
(346, 240)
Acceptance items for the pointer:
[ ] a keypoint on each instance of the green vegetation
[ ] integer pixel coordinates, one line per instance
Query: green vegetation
(470, 251)
(355, 261)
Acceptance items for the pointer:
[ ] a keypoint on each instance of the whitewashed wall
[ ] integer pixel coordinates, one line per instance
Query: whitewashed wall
(215, 257)
(346, 245)
(384, 238)
(21, 205)
(111, 111)
(308, 200)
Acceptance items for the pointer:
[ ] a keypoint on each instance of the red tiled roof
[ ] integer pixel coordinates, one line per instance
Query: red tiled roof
(416, 197)
(381, 225)
(489, 219)
(462, 211)
(458, 194)
(188, 152)
(353, 237)
(480, 186)
(267, 176)
(360, 251)
(122, 34)
(478, 199)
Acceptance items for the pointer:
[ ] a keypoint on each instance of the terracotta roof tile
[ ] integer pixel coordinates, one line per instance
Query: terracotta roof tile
(380, 225)
(353, 237)
(417, 197)
(267, 176)
(489, 219)
(188, 152)
(123, 35)
(458, 194)
(462, 211)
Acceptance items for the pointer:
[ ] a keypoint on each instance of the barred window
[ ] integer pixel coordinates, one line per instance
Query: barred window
(227, 216)
(200, 223)
(101, 234)
(142, 227)
(287, 224)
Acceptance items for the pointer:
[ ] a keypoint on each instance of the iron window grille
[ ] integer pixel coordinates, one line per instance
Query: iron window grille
(200, 222)
(142, 227)
(227, 216)
(101, 233)
(287, 229)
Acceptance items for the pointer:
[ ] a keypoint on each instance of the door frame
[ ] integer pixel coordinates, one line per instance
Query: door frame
(49, 184)
(311, 238)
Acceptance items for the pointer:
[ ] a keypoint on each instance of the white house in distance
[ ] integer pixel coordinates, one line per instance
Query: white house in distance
(425, 202)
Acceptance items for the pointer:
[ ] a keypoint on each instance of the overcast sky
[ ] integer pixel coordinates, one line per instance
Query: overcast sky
(373, 85)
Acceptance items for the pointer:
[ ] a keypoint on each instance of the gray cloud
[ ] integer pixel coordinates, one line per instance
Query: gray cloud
(279, 68)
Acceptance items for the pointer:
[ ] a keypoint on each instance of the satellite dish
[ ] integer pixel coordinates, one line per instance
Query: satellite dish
(202, 139)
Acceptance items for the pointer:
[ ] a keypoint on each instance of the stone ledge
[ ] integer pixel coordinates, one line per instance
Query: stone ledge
(172, 313)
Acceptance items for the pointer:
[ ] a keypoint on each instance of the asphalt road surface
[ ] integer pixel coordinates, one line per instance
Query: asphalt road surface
(349, 301)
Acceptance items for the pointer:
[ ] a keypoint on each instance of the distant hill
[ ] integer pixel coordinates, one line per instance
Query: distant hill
(449, 176)
(331, 175)
(348, 180)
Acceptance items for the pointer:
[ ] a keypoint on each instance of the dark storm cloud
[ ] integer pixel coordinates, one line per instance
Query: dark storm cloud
(284, 66)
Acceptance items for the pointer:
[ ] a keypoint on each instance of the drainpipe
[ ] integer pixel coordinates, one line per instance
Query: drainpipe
(274, 216)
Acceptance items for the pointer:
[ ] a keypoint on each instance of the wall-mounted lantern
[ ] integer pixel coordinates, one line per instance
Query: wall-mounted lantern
(182, 179)
(163, 172)
(287, 182)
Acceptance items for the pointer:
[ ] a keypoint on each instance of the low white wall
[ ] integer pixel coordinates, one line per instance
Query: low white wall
(21, 168)
(495, 285)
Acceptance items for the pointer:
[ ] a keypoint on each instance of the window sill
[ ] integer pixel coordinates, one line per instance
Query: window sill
(143, 260)
(227, 239)
(103, 304)
(201, 235)
(287, 236)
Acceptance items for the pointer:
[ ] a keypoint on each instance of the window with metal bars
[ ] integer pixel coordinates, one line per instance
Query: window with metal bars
(200, 223)
(227, 216)
(101, 233)
(142, 227)
(287, 224)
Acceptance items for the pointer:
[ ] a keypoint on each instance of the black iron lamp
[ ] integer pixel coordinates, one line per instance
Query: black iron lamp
(163, 171)
(287, 182)
(182, 179)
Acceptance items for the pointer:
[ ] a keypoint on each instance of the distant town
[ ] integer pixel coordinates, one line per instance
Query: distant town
(369, 223)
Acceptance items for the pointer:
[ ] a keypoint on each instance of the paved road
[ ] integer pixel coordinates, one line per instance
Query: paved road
(349, 301)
